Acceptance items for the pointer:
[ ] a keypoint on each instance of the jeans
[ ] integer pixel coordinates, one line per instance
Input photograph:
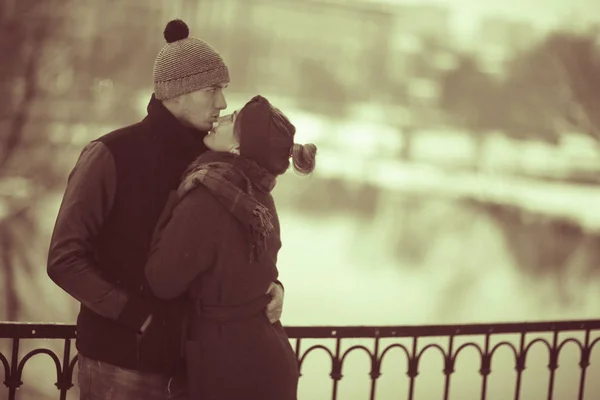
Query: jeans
(102, 381)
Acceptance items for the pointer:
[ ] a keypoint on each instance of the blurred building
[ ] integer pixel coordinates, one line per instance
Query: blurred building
(318, 49)
(413, 26)
(292, 46)
(500, 39)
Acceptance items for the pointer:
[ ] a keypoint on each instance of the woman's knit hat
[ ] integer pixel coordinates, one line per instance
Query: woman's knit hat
(186, 64)
(266, 135)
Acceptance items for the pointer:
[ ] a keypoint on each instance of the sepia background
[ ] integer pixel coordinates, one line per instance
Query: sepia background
(458, 168)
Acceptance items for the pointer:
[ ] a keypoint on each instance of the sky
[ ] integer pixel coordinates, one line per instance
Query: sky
(543, 10)
(543, 13)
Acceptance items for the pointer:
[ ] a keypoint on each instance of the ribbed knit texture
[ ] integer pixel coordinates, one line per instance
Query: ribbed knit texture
(185, 66)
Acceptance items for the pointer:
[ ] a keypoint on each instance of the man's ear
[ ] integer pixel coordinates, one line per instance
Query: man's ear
(176, 101)
(172, 104)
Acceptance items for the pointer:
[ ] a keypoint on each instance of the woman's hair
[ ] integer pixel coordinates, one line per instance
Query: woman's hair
(303, 158)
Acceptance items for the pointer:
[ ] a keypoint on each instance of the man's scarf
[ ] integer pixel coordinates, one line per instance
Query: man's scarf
(233, 179)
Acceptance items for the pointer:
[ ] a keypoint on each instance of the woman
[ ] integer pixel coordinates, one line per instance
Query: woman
(220, 247)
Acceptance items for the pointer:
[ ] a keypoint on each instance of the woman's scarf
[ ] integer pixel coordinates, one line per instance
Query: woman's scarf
(233, 179)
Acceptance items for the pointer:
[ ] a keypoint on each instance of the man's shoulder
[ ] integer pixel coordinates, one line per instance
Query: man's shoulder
(130, 133)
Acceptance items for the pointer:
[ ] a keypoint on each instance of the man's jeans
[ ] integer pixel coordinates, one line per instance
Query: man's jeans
(102, 381)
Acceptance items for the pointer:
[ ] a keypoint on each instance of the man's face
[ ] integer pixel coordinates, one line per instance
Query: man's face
(200, 109)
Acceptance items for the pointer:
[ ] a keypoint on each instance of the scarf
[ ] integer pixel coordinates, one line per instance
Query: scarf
(232, 179)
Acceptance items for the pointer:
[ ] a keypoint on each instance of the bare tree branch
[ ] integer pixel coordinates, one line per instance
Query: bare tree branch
(19, 120)
(11, 296)
(574, 116)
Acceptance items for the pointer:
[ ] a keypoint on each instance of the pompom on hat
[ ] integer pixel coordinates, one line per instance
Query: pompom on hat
(186, 64)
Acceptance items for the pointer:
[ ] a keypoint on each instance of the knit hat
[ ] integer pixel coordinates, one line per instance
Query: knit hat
(266, 135)
(186, 64)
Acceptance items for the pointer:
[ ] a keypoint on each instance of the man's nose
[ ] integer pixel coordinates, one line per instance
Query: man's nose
(220, 102)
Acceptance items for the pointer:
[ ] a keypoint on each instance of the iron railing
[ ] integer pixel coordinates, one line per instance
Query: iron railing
(527, 334)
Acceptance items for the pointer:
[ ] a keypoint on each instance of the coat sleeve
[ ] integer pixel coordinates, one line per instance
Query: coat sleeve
(88, 199)
(185, 247)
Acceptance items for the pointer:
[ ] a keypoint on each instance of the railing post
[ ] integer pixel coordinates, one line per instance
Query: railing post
(65, 380)
(584, 363)
(486, 366)
(553, 365)
(448, 367)
(336, 369)
(375, 366)
(520, 365)
(298, 357)
(14, 381)
(413, 369)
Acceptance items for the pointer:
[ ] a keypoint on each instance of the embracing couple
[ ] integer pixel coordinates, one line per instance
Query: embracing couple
(168, 237)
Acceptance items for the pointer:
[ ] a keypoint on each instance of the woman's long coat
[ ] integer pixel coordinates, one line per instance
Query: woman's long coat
(232, 351)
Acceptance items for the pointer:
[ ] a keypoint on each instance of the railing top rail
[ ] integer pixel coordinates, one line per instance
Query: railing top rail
(440, 330)
(40, 330)
(31, 330)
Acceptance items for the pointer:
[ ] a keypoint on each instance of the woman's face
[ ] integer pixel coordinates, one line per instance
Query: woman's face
(223, 137)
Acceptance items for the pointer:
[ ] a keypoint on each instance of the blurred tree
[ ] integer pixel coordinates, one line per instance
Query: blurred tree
(471, 97)
(322, 92)
(473, 101)
(22, 39)
(552, 88)
(67, 71)
(18, 78)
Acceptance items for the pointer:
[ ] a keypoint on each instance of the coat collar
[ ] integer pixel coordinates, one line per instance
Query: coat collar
(176, 145)
(166, 126)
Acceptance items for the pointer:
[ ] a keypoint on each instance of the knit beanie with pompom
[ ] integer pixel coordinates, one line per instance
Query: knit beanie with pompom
(186, 64)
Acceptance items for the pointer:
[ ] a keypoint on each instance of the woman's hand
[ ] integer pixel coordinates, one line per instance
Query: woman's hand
(275, 306)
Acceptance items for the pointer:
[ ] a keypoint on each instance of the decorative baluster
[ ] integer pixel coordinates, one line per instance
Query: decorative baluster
(375, 366)
(520, 366)
(413, 369)
(14, 380)
(486, 367)
(584, 363)
(65, 381)
(336, 368)
(553, 365)
(448, 366)
(6, 367)
(298, 356)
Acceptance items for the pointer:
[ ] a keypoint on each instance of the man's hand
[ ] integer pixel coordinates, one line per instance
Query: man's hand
(275, 306)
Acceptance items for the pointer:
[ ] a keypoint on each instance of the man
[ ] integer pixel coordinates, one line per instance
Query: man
(129, 341)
